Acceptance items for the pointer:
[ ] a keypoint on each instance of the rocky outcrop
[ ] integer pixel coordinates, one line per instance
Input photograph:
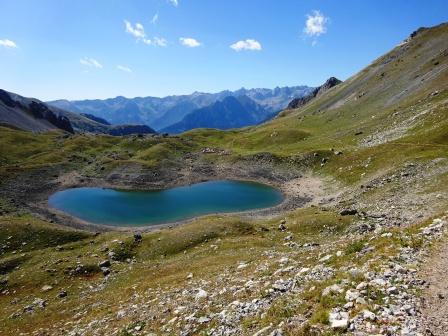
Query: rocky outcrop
(95, 118)
(298, 102)
(41, 111)
(6, 99)
(30, 114)
(130, 129)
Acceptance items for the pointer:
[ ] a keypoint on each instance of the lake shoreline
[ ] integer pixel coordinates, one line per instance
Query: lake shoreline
(299, 190)
(138, 208)
(292, 198)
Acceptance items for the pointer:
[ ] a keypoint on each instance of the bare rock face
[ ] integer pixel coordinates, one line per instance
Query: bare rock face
(30, 114)
(41, 111)
(329, 83)
(6, 99)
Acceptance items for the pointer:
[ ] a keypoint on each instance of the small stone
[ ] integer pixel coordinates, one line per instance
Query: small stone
(39, 303)
(105, 270)
(201, 294)
(378, 282)
(368, 315)
(392, 290)
(104, 263)
(361, 301)
(361, 286)
(333, 289)
(279, 287)
(351, 295)
(349, 305)
(288, 238)
(325, 258)
(338, 320)
(241, 266)
(203, 319)
(46, 288)
(304, 270)
(62, 294)
(263, 331)
(348, 212)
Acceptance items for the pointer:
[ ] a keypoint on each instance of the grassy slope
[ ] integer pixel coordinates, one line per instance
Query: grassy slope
(384, 96)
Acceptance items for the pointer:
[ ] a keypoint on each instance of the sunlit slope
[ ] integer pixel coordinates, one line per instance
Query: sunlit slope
(395, 109)
(385, 101)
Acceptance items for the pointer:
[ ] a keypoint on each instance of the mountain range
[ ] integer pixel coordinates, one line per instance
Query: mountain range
(31, 114)
(231, 112)
(168, 113)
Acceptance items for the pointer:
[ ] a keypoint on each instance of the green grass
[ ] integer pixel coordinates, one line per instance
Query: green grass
(26, 233)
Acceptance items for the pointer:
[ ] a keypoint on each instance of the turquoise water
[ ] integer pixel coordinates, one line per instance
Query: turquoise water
(138, 208)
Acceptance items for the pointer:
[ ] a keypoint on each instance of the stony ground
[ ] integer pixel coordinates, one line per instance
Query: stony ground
(433, 305)
(363, 278)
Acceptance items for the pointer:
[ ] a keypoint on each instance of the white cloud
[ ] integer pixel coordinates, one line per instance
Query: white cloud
(160, 42)
(175, 3)
(138, 31)
(90, 62)
(248, 44)
(124, 68)
(189, 42)
(8, 43)
(316, 24)
(155, 18)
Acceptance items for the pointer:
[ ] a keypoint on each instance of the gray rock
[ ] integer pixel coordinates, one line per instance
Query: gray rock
(62, 294)
(105, 270)
(348, 212)
(351, 295)
(338, 320)
(104, 263)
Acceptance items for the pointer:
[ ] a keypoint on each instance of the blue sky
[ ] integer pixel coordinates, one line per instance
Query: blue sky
(51, 49)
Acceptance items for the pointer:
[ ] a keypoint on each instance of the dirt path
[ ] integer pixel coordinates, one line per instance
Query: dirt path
(435, 296)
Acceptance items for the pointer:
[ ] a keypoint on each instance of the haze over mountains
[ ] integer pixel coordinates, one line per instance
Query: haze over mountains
(180, 113)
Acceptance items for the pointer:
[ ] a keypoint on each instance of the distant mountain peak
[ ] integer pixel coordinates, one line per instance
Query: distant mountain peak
(329, 83)
(163, 112)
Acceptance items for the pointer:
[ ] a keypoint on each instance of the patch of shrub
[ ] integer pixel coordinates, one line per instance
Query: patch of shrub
(124, 251)
(8, 265)
(86, 270)
(355, 247)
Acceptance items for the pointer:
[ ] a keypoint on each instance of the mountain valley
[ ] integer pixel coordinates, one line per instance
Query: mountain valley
(356, 247)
